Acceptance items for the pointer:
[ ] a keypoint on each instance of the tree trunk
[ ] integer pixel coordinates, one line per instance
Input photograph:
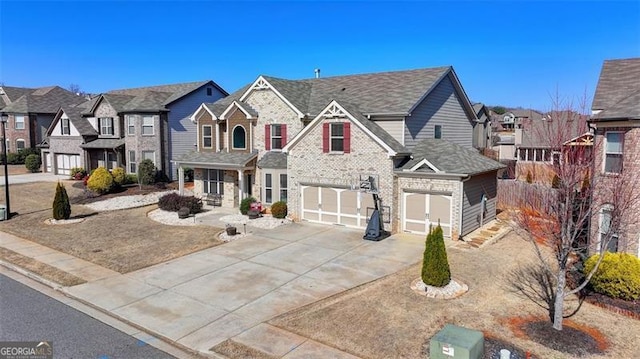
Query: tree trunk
(558, 307)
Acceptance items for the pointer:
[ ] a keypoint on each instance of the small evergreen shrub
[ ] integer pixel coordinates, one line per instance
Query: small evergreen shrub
(14, 158)
(172, 202)
(435, 265)
(61, 205)
(618, 275)
(245, 205)
(118, 176)
(529, 177)
(130, 178)
(146, 172)
(32, 162)
(100, 181)
(279, 209)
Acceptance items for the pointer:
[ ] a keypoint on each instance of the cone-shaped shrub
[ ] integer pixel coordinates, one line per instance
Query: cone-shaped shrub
(61, 205)
(435, 265)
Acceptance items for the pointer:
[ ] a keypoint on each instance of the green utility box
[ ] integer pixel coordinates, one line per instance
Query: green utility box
(456, 342)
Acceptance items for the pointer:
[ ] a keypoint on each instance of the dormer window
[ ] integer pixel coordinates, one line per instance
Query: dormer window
(239, 138)
(106, 125)
(207, 138)
(65, 128)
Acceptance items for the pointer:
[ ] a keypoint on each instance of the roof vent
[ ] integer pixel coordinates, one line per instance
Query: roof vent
(317, 72)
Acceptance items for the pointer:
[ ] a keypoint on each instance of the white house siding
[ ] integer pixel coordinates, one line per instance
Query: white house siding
(308, 165)
(474, 188)
(442, 107)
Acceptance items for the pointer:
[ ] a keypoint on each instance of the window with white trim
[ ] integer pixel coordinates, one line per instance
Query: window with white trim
(608, 238)
(147, 125)
(283, 187)
(207, 136)
(214, 181)
(268, 188)
(65, 127)
(106, 125)
(20, 144)
(131, 125)
(149, 155)
(133, 168)
(613, 152)
(239, 138)
(337, 137)
(276, 137)
(19, 122)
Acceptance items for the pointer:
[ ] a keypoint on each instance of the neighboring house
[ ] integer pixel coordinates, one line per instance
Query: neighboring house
(482, 127)
(120, 128)
(311, 143)
(616, 119)
(31, 111)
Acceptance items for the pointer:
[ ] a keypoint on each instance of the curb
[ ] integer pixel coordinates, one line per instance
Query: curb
(53, 285)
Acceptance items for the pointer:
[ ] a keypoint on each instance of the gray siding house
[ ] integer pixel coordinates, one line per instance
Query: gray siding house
(310, 142)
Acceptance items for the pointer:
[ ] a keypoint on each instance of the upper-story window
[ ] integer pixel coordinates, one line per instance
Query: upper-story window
(209, 91)
(336, 137)
(239, 138)
(131, 125)
(65, 127)
(147, 125)
(275, 136)
(207, 138)
(613, 152)
(437, 133)
(106, 125)
(19, 122)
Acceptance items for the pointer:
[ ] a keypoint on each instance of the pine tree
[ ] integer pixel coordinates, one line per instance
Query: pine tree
(61, 205)
(435, 265)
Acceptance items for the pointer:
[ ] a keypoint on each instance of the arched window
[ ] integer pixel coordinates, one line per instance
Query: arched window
(239, 138)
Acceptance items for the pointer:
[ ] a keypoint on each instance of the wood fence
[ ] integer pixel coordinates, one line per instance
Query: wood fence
(514, 194)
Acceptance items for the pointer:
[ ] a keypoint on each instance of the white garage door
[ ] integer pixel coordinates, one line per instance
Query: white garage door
(48, 163)
(64, 163)
(421, 210)
(335, 206)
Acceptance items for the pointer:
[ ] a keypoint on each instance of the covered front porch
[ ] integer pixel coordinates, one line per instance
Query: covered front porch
(103, 152)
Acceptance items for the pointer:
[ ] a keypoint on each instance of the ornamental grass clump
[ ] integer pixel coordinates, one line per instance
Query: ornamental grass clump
(61, 205)
(435, 265)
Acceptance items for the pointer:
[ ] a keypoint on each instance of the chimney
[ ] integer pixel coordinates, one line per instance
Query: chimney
(317, 71)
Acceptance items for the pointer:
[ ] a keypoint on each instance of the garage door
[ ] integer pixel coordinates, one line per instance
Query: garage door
(421, 210)
(335, 206)
(64, 163)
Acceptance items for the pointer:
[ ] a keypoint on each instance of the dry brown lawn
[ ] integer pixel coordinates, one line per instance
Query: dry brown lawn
(124, 240)
(44, 270)
(14, 170)
(386, 319)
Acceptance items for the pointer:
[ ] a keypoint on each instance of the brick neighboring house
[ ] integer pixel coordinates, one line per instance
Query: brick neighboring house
(31, 112)
(309, 142)
(616, 119)
(120, 128)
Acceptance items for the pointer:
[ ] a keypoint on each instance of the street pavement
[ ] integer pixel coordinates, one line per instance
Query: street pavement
(28, 315)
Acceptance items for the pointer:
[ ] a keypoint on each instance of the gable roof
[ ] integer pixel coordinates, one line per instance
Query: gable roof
(9, 94)
(448, 158)
(553, 130)
(618, 80)
(43, 100)
(177, 91)
(218, 107)
(74, 113)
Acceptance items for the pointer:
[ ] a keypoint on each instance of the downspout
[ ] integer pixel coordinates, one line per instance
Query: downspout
(461, 205)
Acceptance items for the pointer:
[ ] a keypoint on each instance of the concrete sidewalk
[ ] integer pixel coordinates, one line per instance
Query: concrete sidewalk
(229, 292)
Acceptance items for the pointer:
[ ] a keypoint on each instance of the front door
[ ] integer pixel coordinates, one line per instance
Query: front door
(248, 185)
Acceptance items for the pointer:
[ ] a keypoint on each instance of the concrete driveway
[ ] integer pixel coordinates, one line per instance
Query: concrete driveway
(227, 291)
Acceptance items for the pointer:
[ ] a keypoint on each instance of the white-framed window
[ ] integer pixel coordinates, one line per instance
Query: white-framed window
(133, 168)
(283, 187)
(336, 137)
(19, 121)
(276, 137)
(613, 152)
(65, 127)
(239, 138)
(147, 125)
(437, 132)
(268, 188)
(106, 125)
(149, 155)
(214, 181)
(131, 125)
(606, 233)
(20, 144)
(207, 136)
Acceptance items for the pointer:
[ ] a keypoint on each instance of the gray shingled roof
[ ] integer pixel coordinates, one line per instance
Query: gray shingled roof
(618, 80)
(176, 90)
(273, 160)
(219, 106)
(148, 101)
(449, 157)
(104, 143)
(75, 117)
(44, 100)
(13, 93)
(219, 159)
(557, 128)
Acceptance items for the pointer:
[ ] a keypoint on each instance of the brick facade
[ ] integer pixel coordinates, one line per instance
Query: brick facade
(13, 134)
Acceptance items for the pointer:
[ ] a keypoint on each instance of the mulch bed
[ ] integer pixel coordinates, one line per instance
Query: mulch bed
(492, 347)
(629, 308)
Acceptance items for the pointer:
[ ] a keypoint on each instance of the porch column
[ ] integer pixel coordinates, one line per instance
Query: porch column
(240, 186)
(181, 180)
(217, 136)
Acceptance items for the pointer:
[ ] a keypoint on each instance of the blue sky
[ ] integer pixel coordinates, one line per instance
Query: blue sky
(513, 53)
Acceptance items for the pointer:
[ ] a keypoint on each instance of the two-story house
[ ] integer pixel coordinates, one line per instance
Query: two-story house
(616, 193)
(31, 111)
(311, 143)
(120, 128)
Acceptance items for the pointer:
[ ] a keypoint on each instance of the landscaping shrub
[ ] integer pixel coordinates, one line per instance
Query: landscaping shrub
(14, 158)
(173, 202)
(32, 162)
(78, 173)
(100, 181)
(279, 209)
(118, 176)
(245, 205)
(618, 275)
(435, 265)
(146, 172)
(61, 205)
(130, 178)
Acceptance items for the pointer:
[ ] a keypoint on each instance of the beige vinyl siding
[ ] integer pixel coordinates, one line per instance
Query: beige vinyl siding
(394, 127)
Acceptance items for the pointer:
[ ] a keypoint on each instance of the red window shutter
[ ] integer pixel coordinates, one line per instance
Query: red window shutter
(283, 133)
(267, 137)
(347, 137)
(325, 137)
